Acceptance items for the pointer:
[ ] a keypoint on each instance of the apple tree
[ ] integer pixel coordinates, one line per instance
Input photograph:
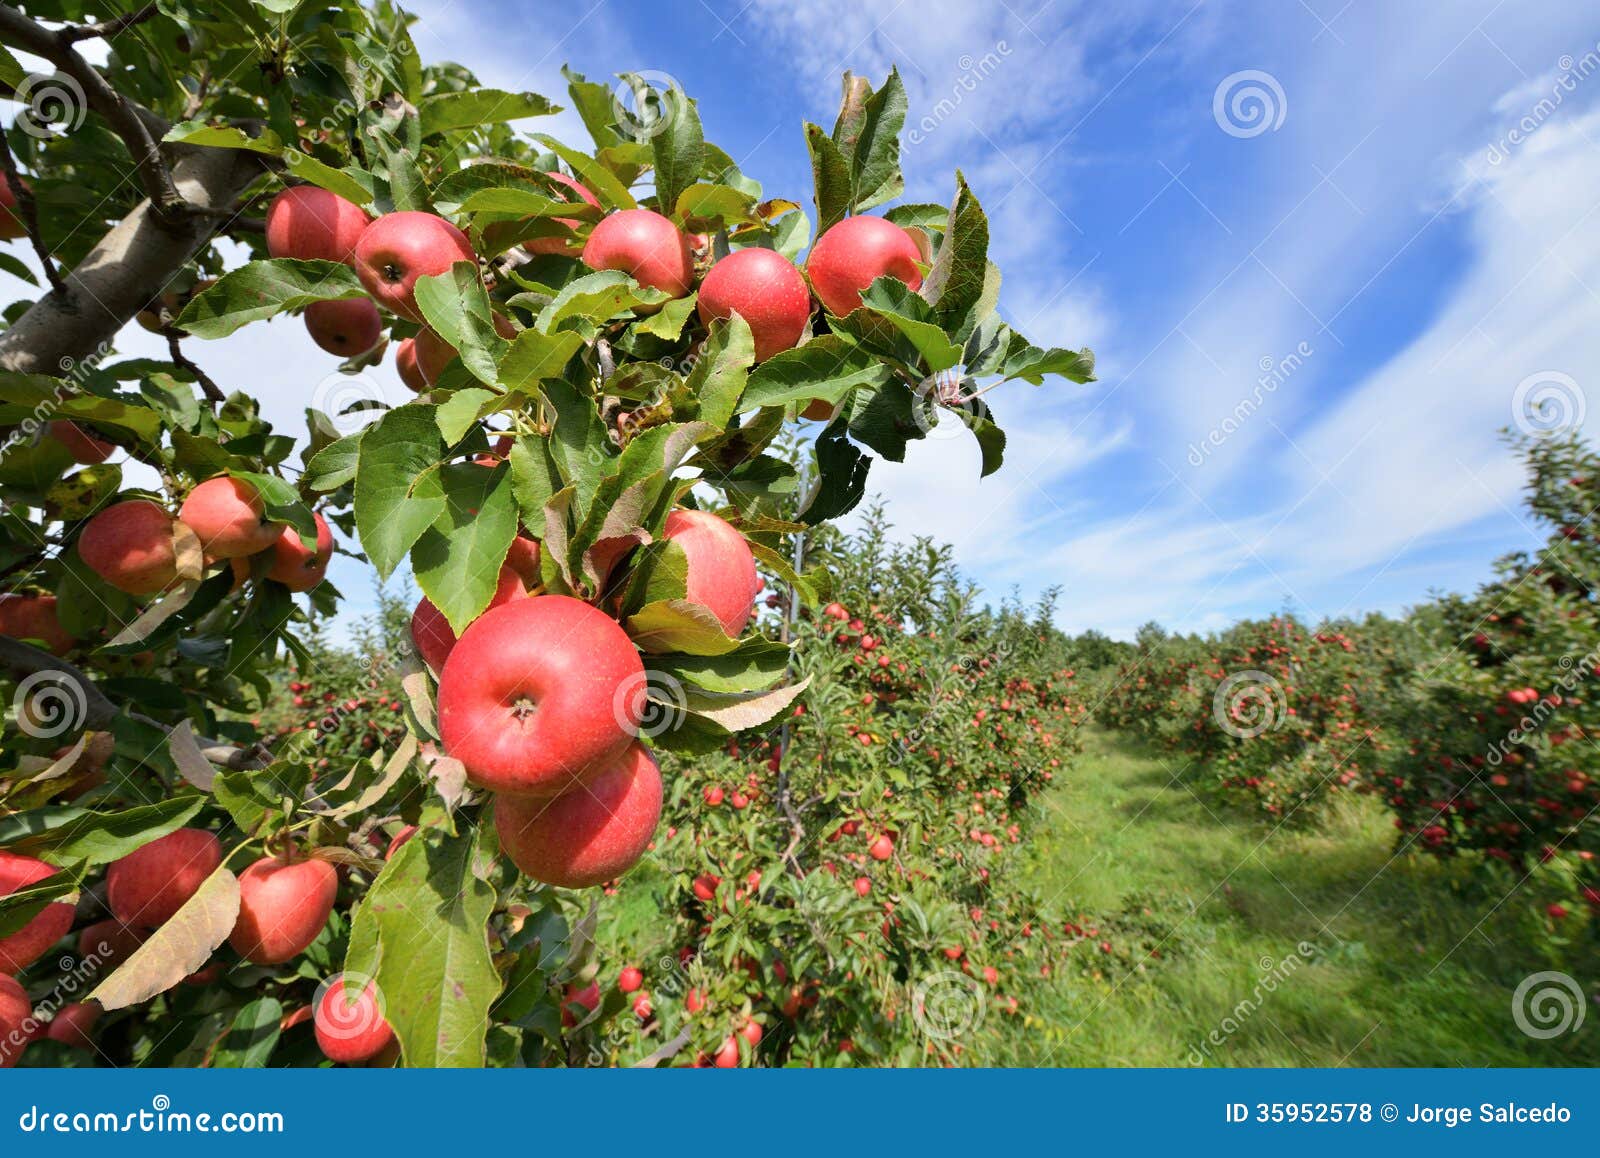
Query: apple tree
(634, 406)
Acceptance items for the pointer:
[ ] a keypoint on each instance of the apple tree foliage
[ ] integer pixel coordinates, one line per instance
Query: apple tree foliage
(616, 404)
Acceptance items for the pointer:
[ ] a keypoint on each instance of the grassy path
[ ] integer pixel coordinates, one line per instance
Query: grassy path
(1414, 963)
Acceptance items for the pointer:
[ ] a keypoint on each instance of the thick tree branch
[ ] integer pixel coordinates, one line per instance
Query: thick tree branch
(20, 660)
(127, 119)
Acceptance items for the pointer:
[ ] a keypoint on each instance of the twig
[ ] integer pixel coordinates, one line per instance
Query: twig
(106, 29)
(30, 215)
(20, 659)
(127, 119)
(213, 392)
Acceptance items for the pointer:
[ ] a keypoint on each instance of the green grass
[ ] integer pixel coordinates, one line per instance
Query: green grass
(1415, 962)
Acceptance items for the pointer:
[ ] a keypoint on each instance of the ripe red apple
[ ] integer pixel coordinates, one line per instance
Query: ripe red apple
(728, 1053)
(11, 225)
(295, 567)
(588, 997)
(283, 905)
(34, 617)
(594, 833)
(713, 795)
(722, 571)
(129, 545)
(108, 942)
(540, 693)
(398, 248)
(751, 1032)
(430, 630)
(630, 979)
(405, 364)
(863, 886)
(882, 848)
(229, 518)
(346, 327)
(856, 252)
(434, 353)
(310, 223)
(705, 886)
(559, 244)
(523, 558)
(351, 1030)
(72, 1025)
(150, 884)
(16, 1020)
(34, 939)
(644, 245)
(765, 289)
(84, 447)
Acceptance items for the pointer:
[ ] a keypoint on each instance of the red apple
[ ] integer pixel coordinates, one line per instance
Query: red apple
(34, 617)
(33, 940)
(11, 225)
(594, 833)
(713, 795)
(84, 447)
(882, 848)
(405, 364)
(540, 693)
(434, 353)
(150, 884)
(346, 327)
(856, 252)
(523, 558)
(705, 886)
(129, 545)
(728, 1053)
(644, 245)
(398, 248)
(283, 905)
(349, 1030)
(295, 567)
(107, 943)
(588, 997)
(308, 222)
(16, 1021)
(229, 518)
(765, 289)
(722, 571)
(559, 244)
(72, 1025)
(863, 886)
(430, 630)
(629, 980)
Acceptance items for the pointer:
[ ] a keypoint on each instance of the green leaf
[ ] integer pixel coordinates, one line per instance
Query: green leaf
(73, 834)
(720, 372)
(422, 934)
(956, 281)
(678, 147)
(534, 357)
(457, 560)
(534, 479)
(872, 143)
(350, 183)
(596, 297)
(913, 317)
(263, 289)
(20, 906)
(472, 107)
(527, 203)
(830, 175)
(991, 439)
(756, 664)
(1031, 364)
(461, 411)
(398, 494)
(841, 476)
(456, 307)
(676, 625)
(197, 133)
(252, 1037)
(737, 713)
(886, 419)
(667, 323)
(578, 444)
(707, 208)
(334, 465)
(828, 367)
(603, 183)
(593, 103)
(282, 503)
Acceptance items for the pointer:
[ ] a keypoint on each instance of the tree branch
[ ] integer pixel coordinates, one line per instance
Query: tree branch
(20, 659)
(30, 214)
(106, 29)
(213, 392)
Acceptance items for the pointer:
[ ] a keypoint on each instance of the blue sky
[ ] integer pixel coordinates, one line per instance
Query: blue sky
(1361, 220)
